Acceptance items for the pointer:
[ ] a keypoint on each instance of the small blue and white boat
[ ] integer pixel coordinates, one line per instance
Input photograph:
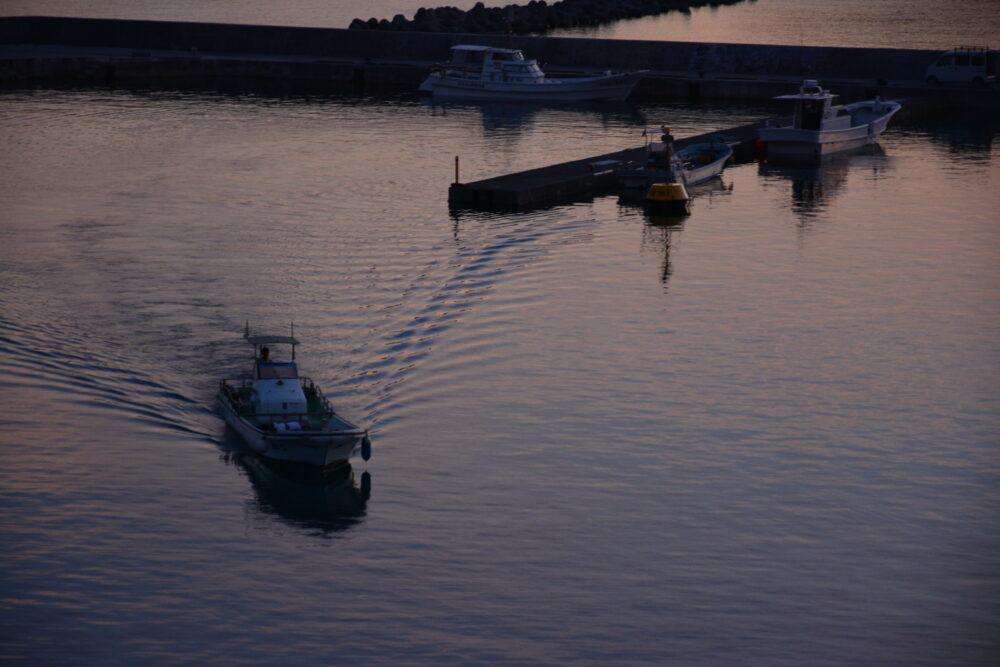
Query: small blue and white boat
(285, 417)
(688, 166)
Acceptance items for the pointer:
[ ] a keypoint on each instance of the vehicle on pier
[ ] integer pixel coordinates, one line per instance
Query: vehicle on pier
(492, 73)
(820, 128)
(967, 64)
(285, 417)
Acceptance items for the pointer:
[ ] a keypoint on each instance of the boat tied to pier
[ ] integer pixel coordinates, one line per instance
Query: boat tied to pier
(492, 73)
(820, 128)
(285, 417)
(663, 164)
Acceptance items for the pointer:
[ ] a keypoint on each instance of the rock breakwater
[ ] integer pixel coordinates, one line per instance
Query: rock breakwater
(537, 17)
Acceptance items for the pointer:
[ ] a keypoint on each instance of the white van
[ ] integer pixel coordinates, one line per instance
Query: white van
(967, 64)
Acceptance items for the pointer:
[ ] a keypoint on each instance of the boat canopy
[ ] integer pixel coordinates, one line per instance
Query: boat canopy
(273, 371)
(480, 47)
(809, 90)
(271, 340)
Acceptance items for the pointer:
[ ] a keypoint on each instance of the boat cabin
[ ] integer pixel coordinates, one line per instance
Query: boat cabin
(815, 110)
(277, 391)
(488, 63)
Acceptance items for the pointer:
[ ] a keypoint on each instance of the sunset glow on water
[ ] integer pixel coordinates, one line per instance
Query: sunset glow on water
(764, 433)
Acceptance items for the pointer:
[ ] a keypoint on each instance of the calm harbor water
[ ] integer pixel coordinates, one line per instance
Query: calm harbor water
(766, 433)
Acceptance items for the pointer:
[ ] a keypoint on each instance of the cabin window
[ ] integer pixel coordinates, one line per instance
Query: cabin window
(812, 114)
(277, 371)
(961, 60)
(945, 61)
(468, 58)
(978, 61)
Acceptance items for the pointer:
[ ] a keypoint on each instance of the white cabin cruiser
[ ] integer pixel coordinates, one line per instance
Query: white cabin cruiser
(285, 417)
(820, 127)
(487, 72)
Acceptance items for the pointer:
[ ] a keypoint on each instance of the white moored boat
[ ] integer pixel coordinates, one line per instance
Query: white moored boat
(820, 127)
(286, 417)
(688, 166)
(487, 72)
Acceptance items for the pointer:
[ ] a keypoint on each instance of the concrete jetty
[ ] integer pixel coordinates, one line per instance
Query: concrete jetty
(575, 180)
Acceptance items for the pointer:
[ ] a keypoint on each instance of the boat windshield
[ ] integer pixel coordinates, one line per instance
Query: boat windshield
(277, 371)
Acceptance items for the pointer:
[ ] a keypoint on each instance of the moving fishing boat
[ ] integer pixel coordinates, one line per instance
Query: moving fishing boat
(285, 417)
(688, 166)
(820, 128)
(488, 72)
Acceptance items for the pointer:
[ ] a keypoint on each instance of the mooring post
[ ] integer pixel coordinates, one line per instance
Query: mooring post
(456, 170)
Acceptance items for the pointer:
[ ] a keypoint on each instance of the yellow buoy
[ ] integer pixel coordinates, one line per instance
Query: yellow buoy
(668, 196)
(667, 192)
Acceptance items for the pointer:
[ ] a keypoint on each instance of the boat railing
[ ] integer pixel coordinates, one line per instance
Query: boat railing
(230, 387)
(463, 71)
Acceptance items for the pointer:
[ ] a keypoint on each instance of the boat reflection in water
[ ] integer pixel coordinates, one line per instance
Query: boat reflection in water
(663, 226)
(813, 187)
(659, 232)
(503, 119)
(319, 501)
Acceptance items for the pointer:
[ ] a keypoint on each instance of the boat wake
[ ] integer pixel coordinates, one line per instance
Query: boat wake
(53, 369)
(440, 320)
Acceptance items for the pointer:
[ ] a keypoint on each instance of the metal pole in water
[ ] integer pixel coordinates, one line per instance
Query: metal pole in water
(456, 170)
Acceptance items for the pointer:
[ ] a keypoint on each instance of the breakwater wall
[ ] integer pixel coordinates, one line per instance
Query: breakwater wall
(535, 17)
(210, 49)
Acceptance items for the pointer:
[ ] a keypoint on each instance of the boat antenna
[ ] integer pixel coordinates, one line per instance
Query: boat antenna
(246, 332)
(508, 21)
(292, 324)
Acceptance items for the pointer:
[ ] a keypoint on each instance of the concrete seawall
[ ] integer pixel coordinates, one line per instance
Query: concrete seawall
(301, 48)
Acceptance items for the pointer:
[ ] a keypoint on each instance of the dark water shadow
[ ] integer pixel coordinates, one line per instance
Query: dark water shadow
(321, 502)
(814, 186)
(506, 116)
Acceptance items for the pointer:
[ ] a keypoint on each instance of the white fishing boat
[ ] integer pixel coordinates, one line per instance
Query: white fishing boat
(820, 128)
(487, 72)
(285, 417)
(687, 166)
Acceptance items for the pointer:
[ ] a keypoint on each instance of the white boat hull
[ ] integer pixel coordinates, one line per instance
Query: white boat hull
(614, 87)
(641, 179)
(788, 144)
(314, 448)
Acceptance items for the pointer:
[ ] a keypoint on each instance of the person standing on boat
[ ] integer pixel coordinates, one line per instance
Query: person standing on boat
(668, 141)
(265, 355)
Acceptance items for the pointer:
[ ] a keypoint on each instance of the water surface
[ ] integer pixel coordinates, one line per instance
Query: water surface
(765, 433)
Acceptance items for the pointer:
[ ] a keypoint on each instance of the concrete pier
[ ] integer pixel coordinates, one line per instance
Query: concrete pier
(574, 180)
